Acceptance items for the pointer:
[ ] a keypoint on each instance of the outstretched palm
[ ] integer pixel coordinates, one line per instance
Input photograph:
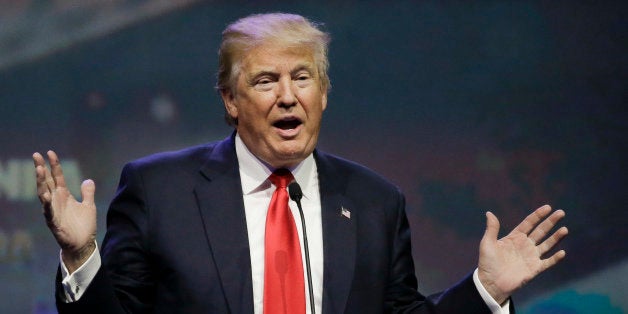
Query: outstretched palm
(72, 223)
(508, 263)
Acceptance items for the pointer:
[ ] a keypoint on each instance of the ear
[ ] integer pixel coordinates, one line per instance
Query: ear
(324, 100)
(228, 100)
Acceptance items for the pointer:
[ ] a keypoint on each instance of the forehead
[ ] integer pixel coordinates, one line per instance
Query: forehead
(270, 57)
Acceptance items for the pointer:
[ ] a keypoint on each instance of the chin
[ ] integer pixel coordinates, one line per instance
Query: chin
(290, 157)
(291, 151)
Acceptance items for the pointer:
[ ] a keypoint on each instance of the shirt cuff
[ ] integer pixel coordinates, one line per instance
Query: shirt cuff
(488, 299)
(75, 284)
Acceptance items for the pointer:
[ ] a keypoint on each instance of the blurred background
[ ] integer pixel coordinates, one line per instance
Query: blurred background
(467, 106)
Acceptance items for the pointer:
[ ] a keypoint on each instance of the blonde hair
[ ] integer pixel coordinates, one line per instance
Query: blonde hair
(290, 30)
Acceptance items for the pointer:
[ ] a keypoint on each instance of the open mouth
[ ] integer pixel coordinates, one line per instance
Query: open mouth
(287, 124)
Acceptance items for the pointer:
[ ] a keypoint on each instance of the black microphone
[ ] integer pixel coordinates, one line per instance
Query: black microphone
(296, 194)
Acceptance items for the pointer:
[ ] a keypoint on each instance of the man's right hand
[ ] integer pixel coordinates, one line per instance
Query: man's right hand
(72, 223)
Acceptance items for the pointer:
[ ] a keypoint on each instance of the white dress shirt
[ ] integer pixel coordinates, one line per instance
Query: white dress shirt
(257, 192)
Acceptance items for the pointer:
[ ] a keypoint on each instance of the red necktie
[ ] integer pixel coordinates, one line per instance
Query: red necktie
(284, 286)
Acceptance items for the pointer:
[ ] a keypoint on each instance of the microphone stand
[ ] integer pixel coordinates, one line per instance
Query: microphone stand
(296, 194)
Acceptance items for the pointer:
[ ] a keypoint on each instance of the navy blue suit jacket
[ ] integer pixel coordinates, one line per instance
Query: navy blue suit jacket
(176, 242)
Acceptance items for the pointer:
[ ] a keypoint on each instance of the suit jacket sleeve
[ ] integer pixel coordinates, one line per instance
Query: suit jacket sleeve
(402, 296)
(124, 283)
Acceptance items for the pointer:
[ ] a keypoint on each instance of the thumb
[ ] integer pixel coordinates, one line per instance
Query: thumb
(88, 189)
(492, 227)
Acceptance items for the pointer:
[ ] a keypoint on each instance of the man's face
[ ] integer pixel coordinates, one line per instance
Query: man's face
(278, 103)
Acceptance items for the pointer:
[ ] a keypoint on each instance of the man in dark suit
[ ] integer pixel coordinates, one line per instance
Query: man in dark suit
(188, 232)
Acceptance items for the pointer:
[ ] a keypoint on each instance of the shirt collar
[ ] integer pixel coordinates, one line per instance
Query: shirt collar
(254, 172)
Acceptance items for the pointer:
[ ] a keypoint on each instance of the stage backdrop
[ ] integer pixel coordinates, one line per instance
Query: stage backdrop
(467, 106)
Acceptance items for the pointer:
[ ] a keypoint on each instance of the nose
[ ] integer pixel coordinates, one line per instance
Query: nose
(286, 96)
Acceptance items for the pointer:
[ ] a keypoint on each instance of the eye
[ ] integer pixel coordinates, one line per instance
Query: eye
(303, 79)
(263, 84)
(263, 81)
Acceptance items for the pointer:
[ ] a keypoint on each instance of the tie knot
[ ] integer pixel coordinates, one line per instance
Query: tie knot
(281, 178)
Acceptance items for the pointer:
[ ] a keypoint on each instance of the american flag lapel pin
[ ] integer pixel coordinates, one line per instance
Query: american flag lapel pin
(345, 212)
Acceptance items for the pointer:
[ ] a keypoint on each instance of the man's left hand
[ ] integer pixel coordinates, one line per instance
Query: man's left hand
(506, 264)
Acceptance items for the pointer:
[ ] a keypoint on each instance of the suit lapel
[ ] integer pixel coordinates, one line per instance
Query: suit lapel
(219, 195)
(339, 236)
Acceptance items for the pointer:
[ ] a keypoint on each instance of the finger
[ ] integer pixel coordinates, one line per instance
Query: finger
(544, 227)
(553, 260)
(550, 242)
(43, 192)
(55, 169)
(38, 159)
(49, 181)
(88, 189)
(533, 219)
(492, 227)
